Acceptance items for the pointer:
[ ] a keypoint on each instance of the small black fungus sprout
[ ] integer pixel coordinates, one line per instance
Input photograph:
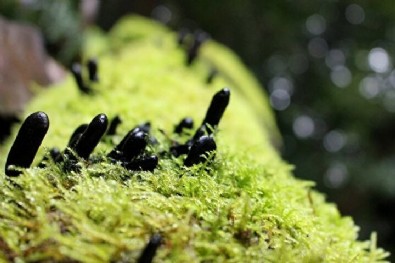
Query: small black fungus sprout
(214, 113)
(216, 109)
(130, 151)
(76, 69)
(199, 38)
(202, 143)
(27, 142)
(112, 130)
(150, 249)
(186, 123)
(200, 150)
(134, 145)
(76, 135)
(146, 163)
(90, 138)
(93, 69)
(130, 147)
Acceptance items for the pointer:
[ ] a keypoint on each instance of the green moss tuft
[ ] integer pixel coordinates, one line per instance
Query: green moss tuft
(245, 206)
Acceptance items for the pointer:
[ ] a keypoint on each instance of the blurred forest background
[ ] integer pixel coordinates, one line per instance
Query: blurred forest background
(327, 65)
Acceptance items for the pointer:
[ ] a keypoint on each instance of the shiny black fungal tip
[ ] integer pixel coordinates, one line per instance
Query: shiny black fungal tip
(132, 145)
(186, 123)
(147, 163)
(93, 70)
(145, 127)
(27, 142)
(76, 69)
(199, 150)
(199, 38)
(90, 138)
(150, 249)
(112, 130)
(116, 153)
(75, 136)
(210, 77)
(216, 109)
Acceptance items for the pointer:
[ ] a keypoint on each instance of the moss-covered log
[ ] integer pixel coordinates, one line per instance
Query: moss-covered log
(135, 197)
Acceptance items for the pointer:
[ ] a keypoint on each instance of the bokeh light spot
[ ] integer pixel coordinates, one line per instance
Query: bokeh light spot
(162, 14)
(379, 60)
(341, 76)
(334, 141)
(282, 83)
(303, 126)
(369, 87)
(336, 176)
(280, 99)
(316, 24)
(355, 14)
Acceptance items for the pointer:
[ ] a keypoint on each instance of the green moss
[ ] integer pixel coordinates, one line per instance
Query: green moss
(245, 206)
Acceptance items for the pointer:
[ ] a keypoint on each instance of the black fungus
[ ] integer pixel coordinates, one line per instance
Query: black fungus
(77, 73)
(131, 146)
(199, 150)
(75, 136)
(199, 38)
(186, 123)
(93, 70)
(199, 133)
(145, 127)
(27, 142)
(116, 153)
(216, 109)
(134, 145)
(112, 130)
(150, 249)
(91, 136)
(147, 163)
